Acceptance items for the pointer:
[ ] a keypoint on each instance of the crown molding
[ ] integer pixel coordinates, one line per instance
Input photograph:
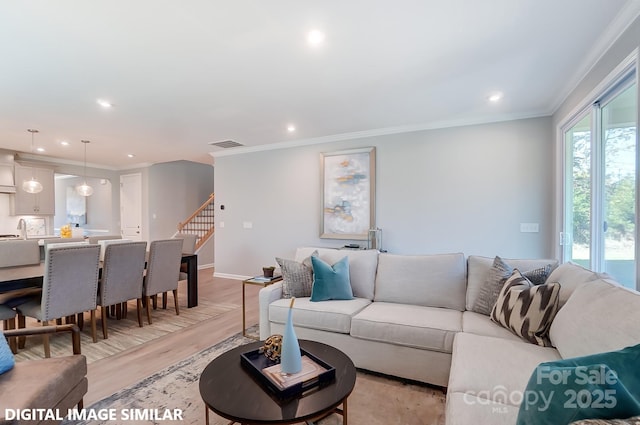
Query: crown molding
(627, 15)
(334, 138)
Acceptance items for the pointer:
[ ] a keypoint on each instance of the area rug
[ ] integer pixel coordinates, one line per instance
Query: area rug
(376, 400)
(124, 333)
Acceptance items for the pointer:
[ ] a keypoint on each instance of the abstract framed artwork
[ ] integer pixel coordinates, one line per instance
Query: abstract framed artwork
(76, 207)
(348, 193)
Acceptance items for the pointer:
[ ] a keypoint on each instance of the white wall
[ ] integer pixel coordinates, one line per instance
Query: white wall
(463, 189)
(176, 190)
(98, 206)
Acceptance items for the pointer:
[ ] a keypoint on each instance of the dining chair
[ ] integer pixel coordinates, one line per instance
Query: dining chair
(122, 278)
(188, 242)
(188, 247)
(96, 239)
(163, 269)
(19, 253)
(70, 287)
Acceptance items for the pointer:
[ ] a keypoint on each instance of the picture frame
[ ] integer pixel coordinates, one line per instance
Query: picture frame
(76, 207)
(36, 226)
(348, 193)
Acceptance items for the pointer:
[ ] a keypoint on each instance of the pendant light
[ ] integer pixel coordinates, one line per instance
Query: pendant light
(84, 189)
(32, 185)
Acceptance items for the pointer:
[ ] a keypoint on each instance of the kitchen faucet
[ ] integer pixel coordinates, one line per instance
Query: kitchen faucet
(22, 226)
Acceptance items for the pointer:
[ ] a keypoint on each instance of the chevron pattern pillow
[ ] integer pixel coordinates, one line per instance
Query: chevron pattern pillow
(527, 310)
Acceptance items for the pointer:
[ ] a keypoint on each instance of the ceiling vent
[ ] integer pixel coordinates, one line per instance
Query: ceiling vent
(226, 144)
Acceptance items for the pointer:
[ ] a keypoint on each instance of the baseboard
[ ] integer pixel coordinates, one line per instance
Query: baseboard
(231, 276)
(205, 266)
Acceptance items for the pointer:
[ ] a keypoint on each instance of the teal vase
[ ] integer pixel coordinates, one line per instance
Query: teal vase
(291, 360)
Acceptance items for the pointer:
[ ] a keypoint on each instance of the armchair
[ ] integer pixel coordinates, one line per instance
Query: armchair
(51, 383)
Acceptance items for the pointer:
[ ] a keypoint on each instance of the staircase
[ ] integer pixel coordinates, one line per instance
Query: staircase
(200, 223)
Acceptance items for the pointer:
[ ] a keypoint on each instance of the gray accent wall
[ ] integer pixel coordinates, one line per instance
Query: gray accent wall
(463, 189)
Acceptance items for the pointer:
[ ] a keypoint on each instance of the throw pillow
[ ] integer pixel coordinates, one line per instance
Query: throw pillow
(331, 282)
(603, 386)
(527, 310)
(297, 278)
(538, 276)
(497, 275)
(6, 356)
(629, 421)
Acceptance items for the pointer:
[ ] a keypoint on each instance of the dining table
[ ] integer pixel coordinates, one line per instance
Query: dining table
(32, 276)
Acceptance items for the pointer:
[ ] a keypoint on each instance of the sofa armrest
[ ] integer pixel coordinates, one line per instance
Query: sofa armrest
(75, 333)
(267, 295)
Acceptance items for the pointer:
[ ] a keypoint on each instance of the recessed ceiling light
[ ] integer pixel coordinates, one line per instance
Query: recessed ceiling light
(64, 143)
(291, 128)
(40, 149)
(104, 103)
(495, 97)
(130, 155)
(315, 37)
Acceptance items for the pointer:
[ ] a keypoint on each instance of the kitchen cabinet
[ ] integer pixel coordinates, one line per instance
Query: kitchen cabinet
(42, 203)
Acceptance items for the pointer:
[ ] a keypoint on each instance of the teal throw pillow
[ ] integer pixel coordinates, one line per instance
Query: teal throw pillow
(331, 282)
(599, 386)
(6, 356)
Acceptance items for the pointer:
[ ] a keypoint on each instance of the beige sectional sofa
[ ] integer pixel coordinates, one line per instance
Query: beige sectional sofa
(411, 318)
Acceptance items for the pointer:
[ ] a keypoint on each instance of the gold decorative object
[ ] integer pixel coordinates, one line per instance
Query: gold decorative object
(272, 347)
(65, 231)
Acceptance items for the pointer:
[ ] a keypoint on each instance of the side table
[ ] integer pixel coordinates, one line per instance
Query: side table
(258, 281)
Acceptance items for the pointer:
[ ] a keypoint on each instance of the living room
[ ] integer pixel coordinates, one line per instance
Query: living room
(461, 184)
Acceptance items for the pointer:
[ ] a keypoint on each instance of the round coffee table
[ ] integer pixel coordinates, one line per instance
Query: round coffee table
(231, 391)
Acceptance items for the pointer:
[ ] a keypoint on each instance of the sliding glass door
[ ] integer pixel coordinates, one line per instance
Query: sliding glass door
(600, 187)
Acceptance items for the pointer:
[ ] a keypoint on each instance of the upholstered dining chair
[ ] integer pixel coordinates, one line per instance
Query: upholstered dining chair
(70, 287)
(188, 242)
(122, 278)
(163, 269)
(188, 247)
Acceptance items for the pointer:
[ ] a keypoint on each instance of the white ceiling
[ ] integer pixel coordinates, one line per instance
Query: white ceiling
(182, 74)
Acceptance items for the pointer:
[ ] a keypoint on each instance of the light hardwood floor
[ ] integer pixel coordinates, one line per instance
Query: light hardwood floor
(113, 373)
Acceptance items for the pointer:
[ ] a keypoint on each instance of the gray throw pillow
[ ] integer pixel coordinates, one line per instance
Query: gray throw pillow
(538, 276)
(297, 278)
(497, 275)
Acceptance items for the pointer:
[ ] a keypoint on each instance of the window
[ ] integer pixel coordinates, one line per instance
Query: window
(600, 186)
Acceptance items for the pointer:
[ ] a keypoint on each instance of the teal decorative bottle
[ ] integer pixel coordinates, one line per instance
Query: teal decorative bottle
(291, 360)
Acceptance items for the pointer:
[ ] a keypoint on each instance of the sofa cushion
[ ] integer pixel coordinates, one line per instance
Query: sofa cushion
(480, 324)
(479, 267)
(428, 328)
(489, 291)
(297, 277)
(629, 421)
(362, 266)
(470, 409)
(495, 369)
(330, 282)
(527, 310)
(600, 316)
(425, 280)
(332, 316)
(570, 276)
(31, 384)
